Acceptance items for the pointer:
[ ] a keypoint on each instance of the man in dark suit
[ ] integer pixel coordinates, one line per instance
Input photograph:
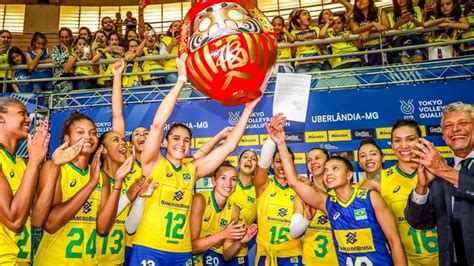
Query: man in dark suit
(444, 195)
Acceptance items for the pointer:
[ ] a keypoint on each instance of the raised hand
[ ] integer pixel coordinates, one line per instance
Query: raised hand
(117, 67)
(37, 144)
(225, 132)
(65, 153)
(251, 232)
(182, 65)
(95, 167)
(275, 128)
(251, 105)
(147, 188)
(234, 231)
(125, 168)
(429, 157)
(424, 180)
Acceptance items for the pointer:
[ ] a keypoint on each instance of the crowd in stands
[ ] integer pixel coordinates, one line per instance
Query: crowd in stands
(140, 39)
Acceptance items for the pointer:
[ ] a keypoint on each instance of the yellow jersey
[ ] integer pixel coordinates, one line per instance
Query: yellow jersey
(214, 219)
(342, 48)
(75, 242)
(151, 65)
(421, 246)
(246, 199)
(132, 80)
(283, 53)
(365, 22)
(409, 25)
(307, 50)
(105, 68)
(14, 246)
(166, 216)
(171, 63)
(275, 208)
(111, 248)
(4, 63)
(318, 244)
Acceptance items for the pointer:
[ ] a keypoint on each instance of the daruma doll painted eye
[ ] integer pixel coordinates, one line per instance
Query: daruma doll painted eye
(231, 50)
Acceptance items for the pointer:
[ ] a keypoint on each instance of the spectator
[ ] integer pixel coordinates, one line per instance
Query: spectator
(17, 57)
(130, 22)
(169, 45)
(113, 50)
(406, 16)
(305, 32)
(325, 18)
(129, 35)
(61, 54)
(283, 36)
(107, 25)
(118, 22)
(39, 54)
(343, 47)
(467, 48)
(82, 52)
(134, 49)
(449, 17)
(85, 33)
(152, 48)
(443, 196)
(5, 42)
(367, 18)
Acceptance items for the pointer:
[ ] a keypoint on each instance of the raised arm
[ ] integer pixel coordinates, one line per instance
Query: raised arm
(209, 146)
(47, 181)
(63, 212)
(307, 193)
(462, 24)
(108, 210)
(151, 151)
(210, 162)
(261, 176)
(389, 227)
(118, 123)
(15, 209)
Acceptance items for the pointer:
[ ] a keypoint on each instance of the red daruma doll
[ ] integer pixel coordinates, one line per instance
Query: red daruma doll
(231, 50)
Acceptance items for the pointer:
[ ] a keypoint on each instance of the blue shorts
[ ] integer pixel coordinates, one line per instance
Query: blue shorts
(128, 255)
(142, 255)
(290, 261)
(212, 258)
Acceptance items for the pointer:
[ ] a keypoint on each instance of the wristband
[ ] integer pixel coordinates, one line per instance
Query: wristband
(114, 188)
(183, 78)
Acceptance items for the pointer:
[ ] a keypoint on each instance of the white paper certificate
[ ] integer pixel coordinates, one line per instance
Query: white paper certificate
(291, 96)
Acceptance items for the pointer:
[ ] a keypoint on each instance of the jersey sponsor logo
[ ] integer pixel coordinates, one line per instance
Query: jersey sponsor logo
(186, 177)
(389, 171)
(87, 207)
(178, 195)
(336, 215)
(323, 219)
(169, 174)
(351, 238)
(282, 212)
(360, 214)
(397, 189)
(73, 183)
(12, 174)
